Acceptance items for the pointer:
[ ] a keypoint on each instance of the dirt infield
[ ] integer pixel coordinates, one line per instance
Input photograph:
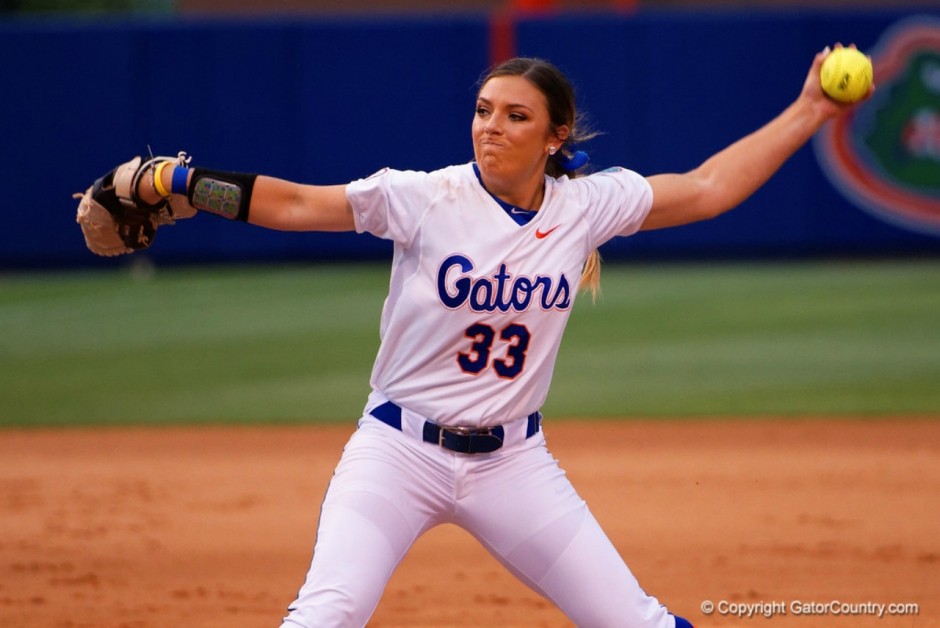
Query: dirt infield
(215, 526)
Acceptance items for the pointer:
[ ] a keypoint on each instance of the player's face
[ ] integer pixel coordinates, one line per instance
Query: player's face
(511, 131)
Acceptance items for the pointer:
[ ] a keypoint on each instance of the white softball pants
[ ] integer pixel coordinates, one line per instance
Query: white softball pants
(390, 487)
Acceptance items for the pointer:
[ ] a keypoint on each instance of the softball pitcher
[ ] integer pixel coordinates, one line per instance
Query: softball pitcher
(488, 259)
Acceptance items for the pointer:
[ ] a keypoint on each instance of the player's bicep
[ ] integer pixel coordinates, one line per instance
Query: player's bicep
(288, 206)
(678, 199)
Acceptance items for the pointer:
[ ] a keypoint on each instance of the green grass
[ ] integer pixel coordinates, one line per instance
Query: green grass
(262, 344)
(782, 339)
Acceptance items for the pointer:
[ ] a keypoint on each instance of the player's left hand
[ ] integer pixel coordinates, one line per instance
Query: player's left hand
(113, 217)
(813, 93)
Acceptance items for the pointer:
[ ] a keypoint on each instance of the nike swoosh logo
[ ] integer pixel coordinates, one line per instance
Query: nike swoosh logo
(544, 234)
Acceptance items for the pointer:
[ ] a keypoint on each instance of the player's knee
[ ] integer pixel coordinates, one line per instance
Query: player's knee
(328, 608)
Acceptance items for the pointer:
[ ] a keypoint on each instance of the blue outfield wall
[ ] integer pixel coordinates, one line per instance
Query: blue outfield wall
(331, 100)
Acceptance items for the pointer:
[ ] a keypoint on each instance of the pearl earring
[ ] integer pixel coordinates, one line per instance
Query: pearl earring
(552, 150)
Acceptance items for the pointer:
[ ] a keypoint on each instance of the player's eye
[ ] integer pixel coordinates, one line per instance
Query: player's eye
(482, 112)
(517, 117)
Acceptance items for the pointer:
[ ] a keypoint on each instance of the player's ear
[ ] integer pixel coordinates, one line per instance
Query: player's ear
(562, 132)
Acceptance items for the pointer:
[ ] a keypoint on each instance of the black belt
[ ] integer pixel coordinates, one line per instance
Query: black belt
(468, 440)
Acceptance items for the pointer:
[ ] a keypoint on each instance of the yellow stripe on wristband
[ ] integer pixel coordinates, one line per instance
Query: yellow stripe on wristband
(158, 179)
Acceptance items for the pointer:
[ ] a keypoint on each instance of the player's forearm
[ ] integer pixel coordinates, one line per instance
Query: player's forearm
(735, 173)
(730, 176)
(272, 203)
(287, 206)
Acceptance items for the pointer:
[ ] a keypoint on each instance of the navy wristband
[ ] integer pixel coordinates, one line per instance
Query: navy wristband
(180, 175)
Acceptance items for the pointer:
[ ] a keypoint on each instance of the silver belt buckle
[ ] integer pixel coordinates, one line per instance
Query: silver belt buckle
(462, 431)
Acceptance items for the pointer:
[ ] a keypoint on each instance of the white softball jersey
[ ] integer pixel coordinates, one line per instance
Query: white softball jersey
(478, 303)
(470, 331)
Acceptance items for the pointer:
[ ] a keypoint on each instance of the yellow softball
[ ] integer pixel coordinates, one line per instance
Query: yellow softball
(846, 75)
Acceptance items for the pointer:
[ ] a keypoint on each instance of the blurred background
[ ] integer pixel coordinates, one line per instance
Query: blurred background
(327, 91)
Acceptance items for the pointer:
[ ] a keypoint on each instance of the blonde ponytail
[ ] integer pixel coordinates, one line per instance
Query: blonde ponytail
(591, 275)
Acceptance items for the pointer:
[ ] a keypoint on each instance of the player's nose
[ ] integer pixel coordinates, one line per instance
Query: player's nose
(493, 125)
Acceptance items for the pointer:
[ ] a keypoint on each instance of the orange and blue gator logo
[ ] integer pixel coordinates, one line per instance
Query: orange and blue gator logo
(885, 155)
